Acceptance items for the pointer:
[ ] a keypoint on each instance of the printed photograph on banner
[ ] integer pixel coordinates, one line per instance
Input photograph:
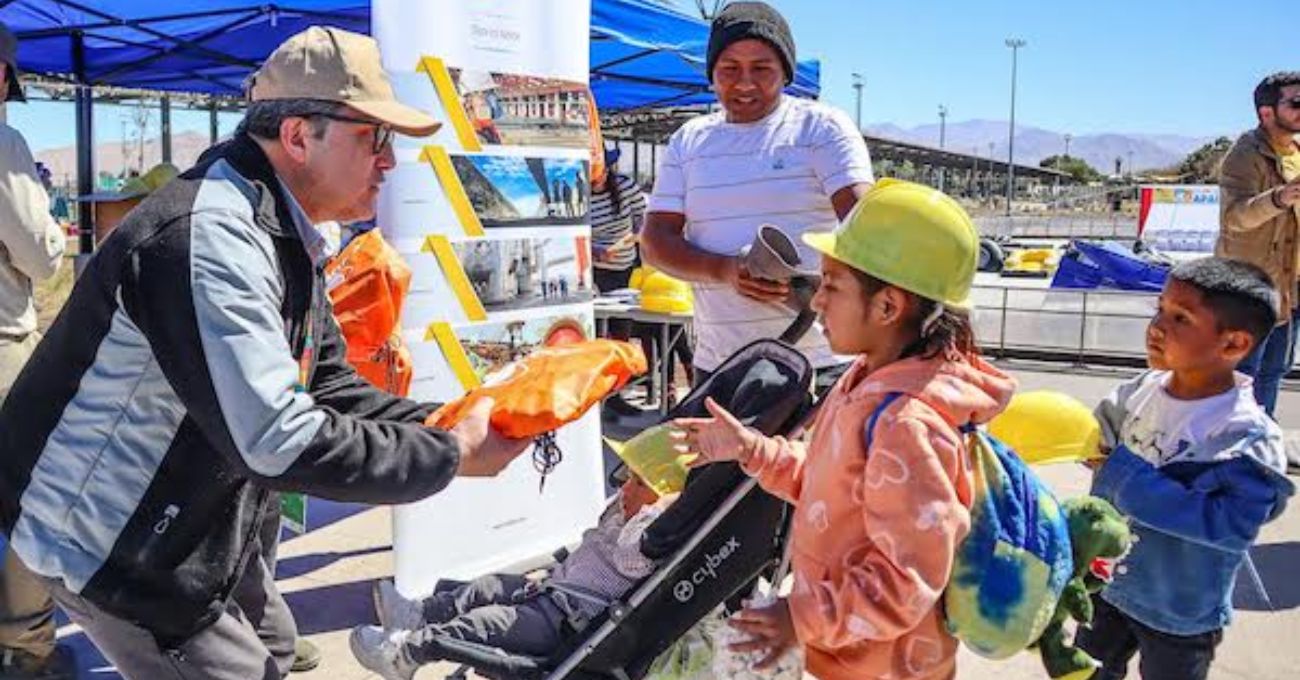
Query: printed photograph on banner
(513, 191)
(519, 110)
(522, 273)
(491, 346)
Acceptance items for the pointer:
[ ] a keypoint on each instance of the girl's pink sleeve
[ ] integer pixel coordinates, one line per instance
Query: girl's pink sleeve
(777, 463)
(912, 521)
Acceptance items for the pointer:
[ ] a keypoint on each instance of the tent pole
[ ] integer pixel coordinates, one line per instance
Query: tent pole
(85, 145)
(212, 123)
(165, 115)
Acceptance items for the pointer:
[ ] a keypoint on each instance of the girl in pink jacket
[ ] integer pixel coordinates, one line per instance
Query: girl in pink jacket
(883, 488)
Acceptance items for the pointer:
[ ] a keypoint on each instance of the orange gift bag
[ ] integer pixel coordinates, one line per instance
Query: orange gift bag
(367, 284)
(549, 388)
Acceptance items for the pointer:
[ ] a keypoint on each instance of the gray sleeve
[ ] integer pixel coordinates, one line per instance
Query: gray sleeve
(1112, 410)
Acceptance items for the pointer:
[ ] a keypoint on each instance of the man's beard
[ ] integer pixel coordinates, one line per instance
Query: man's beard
(1282, 125)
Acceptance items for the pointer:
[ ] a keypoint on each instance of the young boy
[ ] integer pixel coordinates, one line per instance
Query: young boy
(1197, 466)
(513, 613)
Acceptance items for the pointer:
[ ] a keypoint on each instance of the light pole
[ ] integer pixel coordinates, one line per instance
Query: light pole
(857, 85)
(988, 186)
(1067, 146)
(1130, 163)
(1015, 44)
(943, 116)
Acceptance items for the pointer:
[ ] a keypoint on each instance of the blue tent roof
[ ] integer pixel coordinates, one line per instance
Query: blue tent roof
(644, 55)
(641, 54)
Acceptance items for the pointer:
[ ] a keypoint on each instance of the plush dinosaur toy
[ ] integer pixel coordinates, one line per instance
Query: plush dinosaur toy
(1099, 538)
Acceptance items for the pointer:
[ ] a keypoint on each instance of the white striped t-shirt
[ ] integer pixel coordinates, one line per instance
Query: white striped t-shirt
(613, 230)
(728, 179)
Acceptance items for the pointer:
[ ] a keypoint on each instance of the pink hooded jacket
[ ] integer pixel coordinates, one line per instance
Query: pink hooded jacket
(875, 530)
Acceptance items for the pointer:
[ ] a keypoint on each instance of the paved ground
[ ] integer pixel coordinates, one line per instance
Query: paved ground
(327, 575)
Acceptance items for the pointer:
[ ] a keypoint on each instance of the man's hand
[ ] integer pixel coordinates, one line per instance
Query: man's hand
(1288, 194)
(717, 439)
(755, 288)
(770, 629)
(483, 451)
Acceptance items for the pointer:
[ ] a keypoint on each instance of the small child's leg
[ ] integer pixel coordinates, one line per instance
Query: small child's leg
(533, 627)
(481, 592)
(1168, 657)
(1110, 640)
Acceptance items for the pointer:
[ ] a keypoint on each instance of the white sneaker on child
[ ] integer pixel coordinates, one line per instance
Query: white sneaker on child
(381, 651)
(396, 612)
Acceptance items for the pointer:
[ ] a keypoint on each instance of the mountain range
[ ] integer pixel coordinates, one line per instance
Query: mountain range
(1033, 144)
(1150, 151)
(113, 157)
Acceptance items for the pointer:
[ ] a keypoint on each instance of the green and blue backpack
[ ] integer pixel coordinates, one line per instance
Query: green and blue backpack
(1011, 568)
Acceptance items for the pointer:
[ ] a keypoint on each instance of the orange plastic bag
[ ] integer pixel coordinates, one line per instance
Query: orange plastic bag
(367, 284)
(550, 387)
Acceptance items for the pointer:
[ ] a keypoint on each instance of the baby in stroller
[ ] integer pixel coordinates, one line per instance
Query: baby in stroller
(530, 616)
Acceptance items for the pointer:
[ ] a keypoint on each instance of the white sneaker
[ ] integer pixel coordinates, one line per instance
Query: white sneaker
(381, 652)
(396, 612)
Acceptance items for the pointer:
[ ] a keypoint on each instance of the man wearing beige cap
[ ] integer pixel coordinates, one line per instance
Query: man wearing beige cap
(197, 370)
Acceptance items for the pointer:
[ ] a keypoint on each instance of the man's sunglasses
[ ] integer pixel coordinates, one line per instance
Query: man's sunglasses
(383, 133)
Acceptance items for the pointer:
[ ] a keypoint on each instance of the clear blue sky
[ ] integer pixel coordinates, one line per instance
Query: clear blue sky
(1164, 66)
(1100, 66)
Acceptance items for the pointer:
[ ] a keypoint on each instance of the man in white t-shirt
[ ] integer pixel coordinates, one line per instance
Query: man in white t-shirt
(766, 158)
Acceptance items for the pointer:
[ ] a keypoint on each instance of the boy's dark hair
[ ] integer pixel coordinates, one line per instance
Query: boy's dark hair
(1240, 295)
(1269, 90)
(950, 331)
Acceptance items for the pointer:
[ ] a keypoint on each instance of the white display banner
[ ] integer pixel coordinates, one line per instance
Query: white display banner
(491, 214)
(1181, 218)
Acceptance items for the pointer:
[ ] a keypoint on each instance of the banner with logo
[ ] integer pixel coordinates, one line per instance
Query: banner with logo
(491, 214)
(1179, 218)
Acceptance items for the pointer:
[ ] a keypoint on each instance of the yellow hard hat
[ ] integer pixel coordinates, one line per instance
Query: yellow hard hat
(1048, 427)
(663, 293)
(651, 456)
(910, 236)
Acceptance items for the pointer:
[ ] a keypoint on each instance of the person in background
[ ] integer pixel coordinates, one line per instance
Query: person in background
(617, 213)
(1259, 208)
(764, 158)
(31, 249)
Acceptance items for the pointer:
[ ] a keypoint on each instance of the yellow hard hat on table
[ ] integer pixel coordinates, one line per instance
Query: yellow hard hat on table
(910, 236)
(662, 293)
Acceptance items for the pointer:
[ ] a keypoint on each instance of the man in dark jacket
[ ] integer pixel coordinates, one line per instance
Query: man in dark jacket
(197, 369)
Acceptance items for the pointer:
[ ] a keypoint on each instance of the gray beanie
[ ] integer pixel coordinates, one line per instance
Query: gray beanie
(751, 20)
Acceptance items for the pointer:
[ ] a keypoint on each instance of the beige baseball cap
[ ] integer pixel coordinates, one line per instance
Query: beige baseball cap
(331, 64)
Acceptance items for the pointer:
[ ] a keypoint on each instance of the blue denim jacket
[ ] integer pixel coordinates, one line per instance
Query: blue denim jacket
(1193, 524)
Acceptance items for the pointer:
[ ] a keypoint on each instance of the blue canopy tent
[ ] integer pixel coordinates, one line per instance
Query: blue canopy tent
(643, 55)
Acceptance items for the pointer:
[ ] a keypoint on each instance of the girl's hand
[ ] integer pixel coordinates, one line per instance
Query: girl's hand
(771, 631)
(714, 440)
